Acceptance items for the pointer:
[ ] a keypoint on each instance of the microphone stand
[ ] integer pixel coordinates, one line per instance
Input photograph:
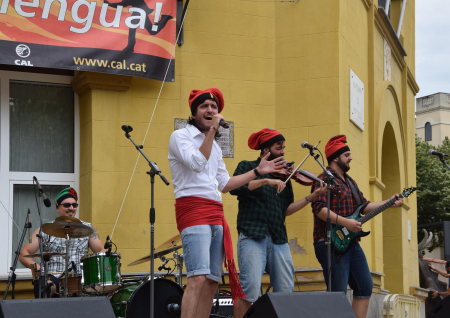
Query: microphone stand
(330, 178)
(12, 273)
(43, 267)
(444, 162)
(153, 171)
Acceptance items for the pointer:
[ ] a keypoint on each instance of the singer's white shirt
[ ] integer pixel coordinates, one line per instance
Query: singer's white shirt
(192, 174)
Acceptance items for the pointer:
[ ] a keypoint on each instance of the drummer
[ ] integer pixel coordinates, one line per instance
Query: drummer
(66, 205)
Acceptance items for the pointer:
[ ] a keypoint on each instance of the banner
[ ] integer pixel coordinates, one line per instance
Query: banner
(125, 37)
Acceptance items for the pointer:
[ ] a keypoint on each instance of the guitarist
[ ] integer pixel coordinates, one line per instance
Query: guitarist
(350, 268)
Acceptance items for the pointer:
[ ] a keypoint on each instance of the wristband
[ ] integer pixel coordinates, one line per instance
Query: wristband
(212, 127)
(306, 198)
(256, 172)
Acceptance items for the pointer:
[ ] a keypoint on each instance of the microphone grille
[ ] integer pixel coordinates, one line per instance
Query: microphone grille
(304, 144)
(430, 152)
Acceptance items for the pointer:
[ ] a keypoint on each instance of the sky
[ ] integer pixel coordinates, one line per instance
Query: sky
(432, 46)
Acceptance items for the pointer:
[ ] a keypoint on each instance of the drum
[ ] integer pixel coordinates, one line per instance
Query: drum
(73, 285)
(133, 301)
(100, 273)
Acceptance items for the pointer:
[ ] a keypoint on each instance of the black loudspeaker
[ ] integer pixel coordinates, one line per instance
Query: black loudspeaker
(299, 305)
(57, 308)
(441, 310)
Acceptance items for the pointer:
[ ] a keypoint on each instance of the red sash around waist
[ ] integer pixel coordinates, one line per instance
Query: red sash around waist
(192, 211)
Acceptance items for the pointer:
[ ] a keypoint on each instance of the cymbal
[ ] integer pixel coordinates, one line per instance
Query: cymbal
(169, 246)
(66, 218)
(60, 229)
(46, 255)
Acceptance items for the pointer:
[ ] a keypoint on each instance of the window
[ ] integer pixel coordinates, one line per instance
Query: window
(39, 136)
(428, 135)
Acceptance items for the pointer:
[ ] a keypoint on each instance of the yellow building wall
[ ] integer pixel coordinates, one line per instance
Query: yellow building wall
(280, 65)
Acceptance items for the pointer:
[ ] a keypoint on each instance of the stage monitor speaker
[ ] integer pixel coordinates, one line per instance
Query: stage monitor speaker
(299, 305)
(57, 308)
(441, 310)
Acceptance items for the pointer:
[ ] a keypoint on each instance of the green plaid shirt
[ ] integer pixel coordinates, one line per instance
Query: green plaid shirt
(261, 211)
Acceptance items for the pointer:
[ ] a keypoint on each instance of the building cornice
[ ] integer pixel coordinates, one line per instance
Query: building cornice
(87, 81)
(367, 3)
(412, 82)
(383, 24)
(432, 110)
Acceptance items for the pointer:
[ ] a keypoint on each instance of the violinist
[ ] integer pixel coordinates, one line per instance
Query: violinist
(264, 204)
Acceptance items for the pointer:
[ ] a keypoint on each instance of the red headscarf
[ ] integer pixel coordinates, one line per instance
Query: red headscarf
(335, 147)
(198, 96)
(264, 138)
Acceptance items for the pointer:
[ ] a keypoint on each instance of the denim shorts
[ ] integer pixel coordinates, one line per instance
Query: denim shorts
(352, 270)
(258, 255)
(203, 251)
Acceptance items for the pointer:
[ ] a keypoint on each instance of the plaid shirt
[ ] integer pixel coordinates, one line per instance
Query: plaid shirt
(261, 211)
(78, 248)
(343, 205)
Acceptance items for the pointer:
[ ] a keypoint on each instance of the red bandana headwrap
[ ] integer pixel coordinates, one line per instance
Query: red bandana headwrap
(335, 147)
(197, 96)
(264, 138)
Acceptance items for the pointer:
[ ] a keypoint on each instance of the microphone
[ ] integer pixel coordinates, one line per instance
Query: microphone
(163, 265)
(432, 152)
(108, 244)
(29, 227)
(127, 128)
(310, 147)
(47, 202)
(223, 123)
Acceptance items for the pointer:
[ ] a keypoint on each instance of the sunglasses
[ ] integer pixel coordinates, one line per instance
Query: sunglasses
(67, 205)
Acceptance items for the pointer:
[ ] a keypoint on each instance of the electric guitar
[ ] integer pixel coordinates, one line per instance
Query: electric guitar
(342, 238)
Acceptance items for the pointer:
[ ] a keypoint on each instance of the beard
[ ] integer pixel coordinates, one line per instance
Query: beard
(200, 126)
(272, 156)
(342, 165)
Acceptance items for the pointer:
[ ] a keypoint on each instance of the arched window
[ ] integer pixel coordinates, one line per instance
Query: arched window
(428, 136)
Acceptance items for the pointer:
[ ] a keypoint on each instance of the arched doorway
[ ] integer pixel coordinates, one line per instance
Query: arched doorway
(392, 218)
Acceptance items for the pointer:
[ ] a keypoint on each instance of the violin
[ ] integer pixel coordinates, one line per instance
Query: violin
(304, 177)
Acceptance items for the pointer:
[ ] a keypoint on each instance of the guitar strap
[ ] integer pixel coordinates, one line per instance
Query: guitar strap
(355, 193)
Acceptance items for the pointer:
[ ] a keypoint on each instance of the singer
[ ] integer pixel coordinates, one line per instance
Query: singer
(351, 269)
(66, 205)
(264, 204)
(198, 173)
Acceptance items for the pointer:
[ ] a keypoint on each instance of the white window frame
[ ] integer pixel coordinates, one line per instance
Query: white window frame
(9, 179)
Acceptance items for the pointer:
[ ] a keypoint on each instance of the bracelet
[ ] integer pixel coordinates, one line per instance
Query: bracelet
(212, 127)
(257, 172)
(306, 198)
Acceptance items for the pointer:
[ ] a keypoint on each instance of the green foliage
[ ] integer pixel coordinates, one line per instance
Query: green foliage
(433, 184)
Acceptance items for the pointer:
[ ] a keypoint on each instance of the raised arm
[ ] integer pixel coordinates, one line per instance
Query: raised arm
(95, 243)
(263, 168)
(28, 249)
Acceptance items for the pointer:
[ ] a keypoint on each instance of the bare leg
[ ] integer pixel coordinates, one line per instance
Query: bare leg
(191, 297)
(206, 298)
(360, 306)
(241, 308)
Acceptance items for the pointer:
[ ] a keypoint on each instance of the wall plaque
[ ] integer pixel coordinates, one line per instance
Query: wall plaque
(226, 140)
(356, 100)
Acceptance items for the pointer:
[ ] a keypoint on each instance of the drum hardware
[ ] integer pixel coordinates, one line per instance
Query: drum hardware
(12, 273)
(101, 273)
(171, 245)
(46, 255)
(67, 229)
(132, 301)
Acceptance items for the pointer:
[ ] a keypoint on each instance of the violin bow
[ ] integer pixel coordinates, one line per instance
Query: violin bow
(298, 167)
